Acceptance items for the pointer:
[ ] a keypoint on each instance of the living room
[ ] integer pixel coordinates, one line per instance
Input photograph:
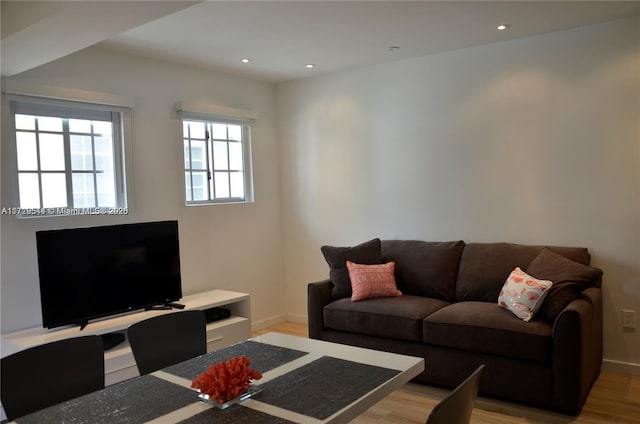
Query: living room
(531, 140)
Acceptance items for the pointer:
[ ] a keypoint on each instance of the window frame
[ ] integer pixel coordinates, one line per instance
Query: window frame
(120, 116)
(208, 120)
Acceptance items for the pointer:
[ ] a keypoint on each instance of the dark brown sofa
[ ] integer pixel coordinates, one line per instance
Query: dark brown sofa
(449, 315)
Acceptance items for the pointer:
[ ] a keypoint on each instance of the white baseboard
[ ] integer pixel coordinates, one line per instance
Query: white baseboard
(268, 322)
(297, 318)
(277, 319)
(619, 367)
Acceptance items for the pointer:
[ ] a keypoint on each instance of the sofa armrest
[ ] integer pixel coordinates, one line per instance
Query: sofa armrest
(577, 351)
(318, 296)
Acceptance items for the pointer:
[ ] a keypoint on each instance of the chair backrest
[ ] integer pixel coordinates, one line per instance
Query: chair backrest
(45, 375)
(456, 408)
(167, 339)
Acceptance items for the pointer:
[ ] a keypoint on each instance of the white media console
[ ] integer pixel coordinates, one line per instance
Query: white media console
(119, 363)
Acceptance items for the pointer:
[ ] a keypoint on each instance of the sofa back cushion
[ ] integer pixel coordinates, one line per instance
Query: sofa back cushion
(569, 278)
(425, 268)
(484, 267)
(337, 257)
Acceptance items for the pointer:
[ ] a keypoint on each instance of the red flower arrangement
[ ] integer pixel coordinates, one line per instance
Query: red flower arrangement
(224, 381)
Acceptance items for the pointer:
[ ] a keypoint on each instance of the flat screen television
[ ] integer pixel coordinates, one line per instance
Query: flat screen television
(94, 272)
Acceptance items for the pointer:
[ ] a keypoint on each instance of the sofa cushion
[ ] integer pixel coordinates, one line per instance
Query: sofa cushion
(487, 328)
(425, 268)
(523, 294)
(569, 278)
(337, 257)
(484, 267)
(393, 317)
(372, 281)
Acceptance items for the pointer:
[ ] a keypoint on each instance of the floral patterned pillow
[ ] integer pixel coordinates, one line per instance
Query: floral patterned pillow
(371, 281)
(523, 294)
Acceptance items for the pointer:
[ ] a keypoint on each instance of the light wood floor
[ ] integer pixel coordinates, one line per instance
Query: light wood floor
(615, 398)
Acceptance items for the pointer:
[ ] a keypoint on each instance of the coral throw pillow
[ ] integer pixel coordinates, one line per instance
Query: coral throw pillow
(523, 294)
(371, 281)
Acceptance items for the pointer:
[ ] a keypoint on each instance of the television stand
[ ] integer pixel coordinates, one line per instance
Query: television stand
(175, 305)
(119, 363)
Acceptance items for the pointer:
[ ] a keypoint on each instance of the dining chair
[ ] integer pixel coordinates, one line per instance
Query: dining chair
(44, 375)
(456, 408)
(167, 339)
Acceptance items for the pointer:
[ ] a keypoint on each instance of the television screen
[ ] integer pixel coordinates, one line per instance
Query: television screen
(88, 273)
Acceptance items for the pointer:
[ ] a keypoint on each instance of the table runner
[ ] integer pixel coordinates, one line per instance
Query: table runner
(323, 387)
(264, 357)
(236, 415)
(131, 401)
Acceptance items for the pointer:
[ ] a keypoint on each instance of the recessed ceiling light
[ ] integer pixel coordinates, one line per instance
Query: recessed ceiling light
(393, 48)
(309, 66)
(245, 60)
(503, 27)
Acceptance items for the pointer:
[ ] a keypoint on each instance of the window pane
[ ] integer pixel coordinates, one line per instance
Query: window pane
(235, 156)
(198, 154)
(222, 184)
(220, 159)
(80, 125)
(235, 132)
(104, 153)
(102, 127)
(54, 190)
(106, 190)
(51, 152)
(46, 123)
(219, 131)
(25, 122)
(29, 190)
(83, 195)
(187, 161)
(200, 186)
(187, 182)
(237, 185)
(27, 153)
(81, 157)
(196, 130)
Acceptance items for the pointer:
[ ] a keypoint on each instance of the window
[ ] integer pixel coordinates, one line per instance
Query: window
(69, 159)
(216, 162)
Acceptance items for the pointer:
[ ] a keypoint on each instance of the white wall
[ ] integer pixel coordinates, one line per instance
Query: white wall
(235, 247)
(533, 141)
(530, 141)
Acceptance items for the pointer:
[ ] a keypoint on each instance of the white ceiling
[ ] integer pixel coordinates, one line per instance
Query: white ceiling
(281, 37)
